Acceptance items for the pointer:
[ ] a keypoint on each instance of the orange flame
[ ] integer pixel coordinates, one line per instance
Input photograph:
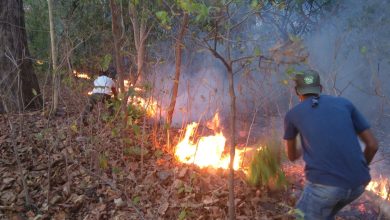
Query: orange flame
(208, 151)
(81, 75)
(380, 188)
(150, 105)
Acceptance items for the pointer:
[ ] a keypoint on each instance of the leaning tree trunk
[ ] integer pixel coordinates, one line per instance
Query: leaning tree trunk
(175, 87)
(19, 88)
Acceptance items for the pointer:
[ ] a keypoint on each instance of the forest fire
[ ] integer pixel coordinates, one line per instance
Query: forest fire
(380, 187)
(81, 75)
(207, 151)
(150, 105)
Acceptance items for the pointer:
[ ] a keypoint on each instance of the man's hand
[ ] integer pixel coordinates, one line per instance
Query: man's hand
(371, 144)
(293, 153)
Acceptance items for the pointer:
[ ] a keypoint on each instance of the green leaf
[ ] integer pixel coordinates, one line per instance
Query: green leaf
(116, 170)
(136, 129)
(158, 153)
(363, 50)
(74, 128)
(164, 19)
(136, 200)
(182, 214)
(181, 190)
(254, 4)
(105, 62)
(114, 132)
(257, 51)
(34, 92)
(103, 162)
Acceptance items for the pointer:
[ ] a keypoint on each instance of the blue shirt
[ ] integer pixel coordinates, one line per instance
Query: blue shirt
(329, 140)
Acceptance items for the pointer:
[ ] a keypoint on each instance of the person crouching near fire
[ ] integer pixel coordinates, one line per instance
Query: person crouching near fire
(104, 89)
(336, 168)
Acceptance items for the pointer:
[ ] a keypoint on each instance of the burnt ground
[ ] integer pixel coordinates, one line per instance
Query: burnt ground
(53, 168)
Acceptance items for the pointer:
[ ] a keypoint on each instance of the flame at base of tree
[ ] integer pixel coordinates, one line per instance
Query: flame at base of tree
(207, 151)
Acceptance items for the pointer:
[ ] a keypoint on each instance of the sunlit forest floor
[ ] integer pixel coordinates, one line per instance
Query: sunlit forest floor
(54, 168)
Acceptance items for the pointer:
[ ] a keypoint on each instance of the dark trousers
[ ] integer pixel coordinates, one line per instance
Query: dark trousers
(95, 99)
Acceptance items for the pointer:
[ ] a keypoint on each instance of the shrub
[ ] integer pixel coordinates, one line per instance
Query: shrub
(265, 168)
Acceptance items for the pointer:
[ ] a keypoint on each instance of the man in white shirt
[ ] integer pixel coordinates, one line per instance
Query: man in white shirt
(104, 88)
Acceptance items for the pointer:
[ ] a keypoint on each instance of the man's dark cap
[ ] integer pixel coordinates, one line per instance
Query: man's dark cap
(307, 82)
(111, 72)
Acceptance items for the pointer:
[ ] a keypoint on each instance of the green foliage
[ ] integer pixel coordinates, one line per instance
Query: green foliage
(134, 112)
(105, 62)
(257, 51)
(265, 168)
(158, 153)
(116, 170)
(199, 9)
(298, 214)
(182, 215)
(164, 19)
(83, 30)
(103, 161)
(363, 50)
(135, 151)
(136, 200)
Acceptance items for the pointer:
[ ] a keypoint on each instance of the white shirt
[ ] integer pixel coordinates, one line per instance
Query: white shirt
(103, 84)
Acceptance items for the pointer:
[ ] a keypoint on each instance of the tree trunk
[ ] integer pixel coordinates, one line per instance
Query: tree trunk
(175, 87)
(19, 88)
(117, 33)
(141, 33)
(232, 94)
(56, 78)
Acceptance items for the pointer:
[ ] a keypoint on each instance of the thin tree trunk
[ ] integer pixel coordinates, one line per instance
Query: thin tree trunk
(117, 33)
(141, 33)
(56, 82)
(232, 211)
(233, 143)
(175, 87)
(19, 88)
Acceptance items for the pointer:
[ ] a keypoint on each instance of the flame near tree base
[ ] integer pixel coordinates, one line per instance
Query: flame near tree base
(207, 151)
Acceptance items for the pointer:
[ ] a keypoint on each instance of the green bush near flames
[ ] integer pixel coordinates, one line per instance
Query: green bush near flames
(265, 169)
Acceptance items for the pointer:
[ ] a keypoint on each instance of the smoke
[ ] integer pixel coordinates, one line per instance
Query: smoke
(351, 51)
(349, 47)
(202, 88)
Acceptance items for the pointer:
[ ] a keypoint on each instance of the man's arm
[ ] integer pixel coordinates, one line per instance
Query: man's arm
(293, 153)
(114, 92)
(371, 144)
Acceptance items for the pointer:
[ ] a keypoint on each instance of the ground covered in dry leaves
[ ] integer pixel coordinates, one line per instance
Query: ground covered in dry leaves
(53, 168)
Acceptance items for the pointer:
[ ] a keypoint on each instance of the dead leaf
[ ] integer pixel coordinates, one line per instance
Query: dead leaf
(59, 215)
(183, 172)
(209, 200)
(55, 199)
(163, 208)
(163, 175)
(119, 202)
(66, 189)
(7, 197)
(177, 184)
(8, 180)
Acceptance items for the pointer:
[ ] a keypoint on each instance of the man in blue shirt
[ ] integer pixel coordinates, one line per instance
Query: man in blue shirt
(336, 168)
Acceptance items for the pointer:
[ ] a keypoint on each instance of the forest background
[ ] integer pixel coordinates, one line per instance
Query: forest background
(190, 60)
